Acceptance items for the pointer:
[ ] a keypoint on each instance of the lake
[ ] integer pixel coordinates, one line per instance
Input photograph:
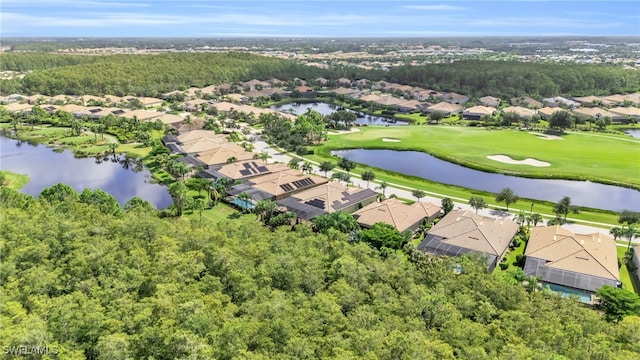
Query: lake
(46, 167)
(633, 132)
(326, 109)
(582, 193)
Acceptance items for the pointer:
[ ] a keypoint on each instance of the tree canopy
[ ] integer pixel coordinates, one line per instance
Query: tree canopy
(102, 285)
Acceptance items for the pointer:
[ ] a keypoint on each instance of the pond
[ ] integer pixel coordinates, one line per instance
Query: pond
(46, 167)
(326, 109)
(582, 193)
(633, 132)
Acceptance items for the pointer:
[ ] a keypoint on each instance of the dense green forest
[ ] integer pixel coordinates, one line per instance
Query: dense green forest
(508, 79)
(93, 281)
(150, 75)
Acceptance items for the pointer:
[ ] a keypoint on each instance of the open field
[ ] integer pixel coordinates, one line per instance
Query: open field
(605, 158)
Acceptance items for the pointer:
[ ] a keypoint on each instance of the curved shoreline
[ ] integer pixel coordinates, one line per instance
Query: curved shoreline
(480, 167)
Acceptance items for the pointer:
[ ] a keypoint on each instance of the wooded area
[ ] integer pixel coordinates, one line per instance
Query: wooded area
(98, 282)
(150, 75)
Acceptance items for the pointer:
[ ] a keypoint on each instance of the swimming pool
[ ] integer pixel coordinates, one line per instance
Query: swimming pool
(244, 204)
(565, 292)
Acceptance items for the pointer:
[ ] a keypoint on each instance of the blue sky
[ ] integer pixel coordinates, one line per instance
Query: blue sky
(315, 18)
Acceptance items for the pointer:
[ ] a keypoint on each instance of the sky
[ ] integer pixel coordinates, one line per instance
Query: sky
(316, 18)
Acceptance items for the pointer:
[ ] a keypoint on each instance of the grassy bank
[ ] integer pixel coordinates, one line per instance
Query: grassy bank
(13, 180)
(604, 158)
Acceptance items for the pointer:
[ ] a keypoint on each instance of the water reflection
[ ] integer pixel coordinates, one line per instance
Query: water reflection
(582, 193)
(119, 175)
(327, 109)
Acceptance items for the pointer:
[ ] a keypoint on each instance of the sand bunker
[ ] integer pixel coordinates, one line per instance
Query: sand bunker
(547, 137)
(508, 160)
(390, 140)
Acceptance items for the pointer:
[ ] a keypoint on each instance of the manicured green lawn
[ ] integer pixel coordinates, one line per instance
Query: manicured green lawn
(601, 157)
(220, 212)
(625, 275)
(13, 180)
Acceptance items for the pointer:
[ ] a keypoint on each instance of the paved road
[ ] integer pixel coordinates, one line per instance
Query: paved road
(577, 226)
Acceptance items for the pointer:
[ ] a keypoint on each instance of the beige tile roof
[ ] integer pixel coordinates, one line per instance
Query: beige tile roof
(479, 233)
(195, 135)
(143, 115)
(445, 107)
(211, 89)
(113, 99)
(149, 101)
(197, 124)
(592, 254)
(232, 171)
(489, 101)
(527, 101)
(587, 99)
(222, 153)
(273, 183)
(225, 106)
(204, 144)
(617, 98)
(395, 213)
(75, 109)
(479, 110)
(170, 118)
(594, 112)
(335, 195)
(519, 110)
(626, 111)
(17, 107)
(548, 111)
(370, 98)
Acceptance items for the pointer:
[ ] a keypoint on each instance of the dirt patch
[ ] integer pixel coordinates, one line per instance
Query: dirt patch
(508, 160)
(390, 140)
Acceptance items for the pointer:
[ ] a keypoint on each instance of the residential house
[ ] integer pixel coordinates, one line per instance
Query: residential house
(478, 112)
(223, 153)
(38, 99)
(410, 105)
(616, 99)
(572, 263)
(588, 101)
(209, 90)
(445, 108)
(241, 170)
(13, 98)
(597, 113)
(526, 102)
(345, 82)
(626, 111)
(327, 198)
(321, 81)
(397, 214)
(461, 232)
(144, 115)
(18, 108)
(346, 92)
(149, 102)
(196, 105)
(277, 185)
(61, 99)
(522, 112)
(454, 98)
(171, 94)
(358, 83)
(546, 112)
(490, 101)
(237, 98)
(114, 100)
(561, 101)
(305, 91)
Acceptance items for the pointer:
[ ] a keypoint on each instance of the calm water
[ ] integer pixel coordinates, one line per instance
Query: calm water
(46, 167)
(582, 193)
(326, 109)
(635, 133)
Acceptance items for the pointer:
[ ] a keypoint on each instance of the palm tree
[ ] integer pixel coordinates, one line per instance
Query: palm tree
(306, 167)
(265, 209)
(368, 176)
(521, 218)
(264, 156)
(294, 163)
(232, 159)
(630, 231)
(326, 166)
(563, 207)
(383, 186)
(418, 194)
(535, 218)
(477, 203)
(338, 220)
(189, 121)
(447, 205)
(245, 198)
(616, 232)
(112, 148)
(200, 205)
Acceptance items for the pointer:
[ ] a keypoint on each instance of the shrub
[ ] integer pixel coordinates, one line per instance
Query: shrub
(504, 266)
(517, 242)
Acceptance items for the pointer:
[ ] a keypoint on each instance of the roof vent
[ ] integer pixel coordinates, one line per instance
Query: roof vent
(458, 219)
(555, 238)
(581, 242)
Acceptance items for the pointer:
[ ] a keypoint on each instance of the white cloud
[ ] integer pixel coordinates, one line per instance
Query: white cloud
(543, 23)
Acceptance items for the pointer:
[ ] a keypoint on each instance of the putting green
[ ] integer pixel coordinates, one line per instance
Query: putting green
(597, 157)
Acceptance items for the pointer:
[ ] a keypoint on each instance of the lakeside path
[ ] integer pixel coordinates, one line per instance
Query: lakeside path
(576, 225)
